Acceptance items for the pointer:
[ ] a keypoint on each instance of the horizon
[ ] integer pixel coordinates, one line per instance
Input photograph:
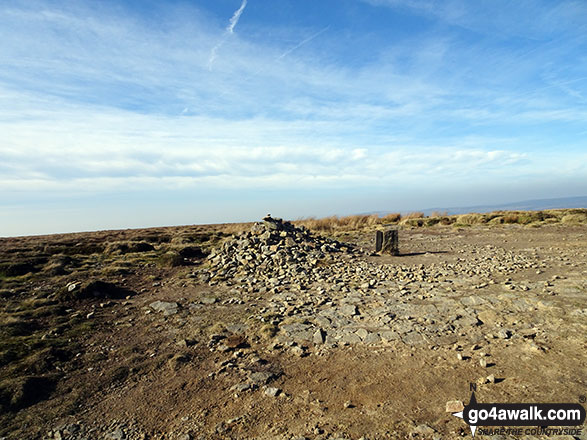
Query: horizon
(128, 114)
(426, 212)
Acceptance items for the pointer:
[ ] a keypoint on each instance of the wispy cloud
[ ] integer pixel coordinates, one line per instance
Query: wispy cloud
(123, 151)
(228, 31)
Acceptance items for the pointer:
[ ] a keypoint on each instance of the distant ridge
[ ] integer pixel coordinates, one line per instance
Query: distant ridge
(526, 205)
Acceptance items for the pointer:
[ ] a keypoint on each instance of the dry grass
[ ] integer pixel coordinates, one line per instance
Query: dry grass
(414, 215)
(470, 219)
(233, 228)
(392, 218)
(334, 224)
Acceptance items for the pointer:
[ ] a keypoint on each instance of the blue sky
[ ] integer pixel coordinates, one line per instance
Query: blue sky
(119, 114)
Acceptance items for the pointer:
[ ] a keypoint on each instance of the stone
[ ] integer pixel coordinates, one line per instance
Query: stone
(319, 336)
(272, 391)
(235, 341)
(298, 351)
(454, 406)
(423, 430)
(413, 338)
(350, 338)
(261, 377)
(504, 333)
(208, 300)
(482, 381)
(117, 434)
(349, 310)
(184, 343)
(362, 333)
(372, 338)
(389, 336)
(168, 308)
(527, 333)
(240, 387)
(298, 331)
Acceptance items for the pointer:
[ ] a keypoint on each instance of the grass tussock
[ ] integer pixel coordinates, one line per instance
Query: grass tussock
(576, 218)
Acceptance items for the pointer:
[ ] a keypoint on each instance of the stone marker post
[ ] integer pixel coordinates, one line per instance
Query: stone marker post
(387, 241)
(378, 240)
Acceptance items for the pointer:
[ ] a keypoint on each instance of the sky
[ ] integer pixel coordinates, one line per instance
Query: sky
(120, 114)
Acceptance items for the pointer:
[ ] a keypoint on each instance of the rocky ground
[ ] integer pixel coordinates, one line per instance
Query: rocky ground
(278, 333)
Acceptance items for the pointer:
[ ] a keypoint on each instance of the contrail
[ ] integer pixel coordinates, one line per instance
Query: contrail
(229, 30)
(307, 40)
(235, 17)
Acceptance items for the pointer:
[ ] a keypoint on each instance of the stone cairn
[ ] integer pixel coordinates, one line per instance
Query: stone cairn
(274, 253)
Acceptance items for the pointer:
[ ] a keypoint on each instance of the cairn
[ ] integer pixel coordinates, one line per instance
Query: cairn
(274, 253)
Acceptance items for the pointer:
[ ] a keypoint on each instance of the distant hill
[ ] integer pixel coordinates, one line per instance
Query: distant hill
(526, 205)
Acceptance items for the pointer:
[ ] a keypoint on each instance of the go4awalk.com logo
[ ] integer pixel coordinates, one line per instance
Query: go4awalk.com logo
(545, 418)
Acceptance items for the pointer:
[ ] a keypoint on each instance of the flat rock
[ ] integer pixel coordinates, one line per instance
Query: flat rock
(350, 338)
(349, 310)
(504, 334)
(319, 336)
(454, 406)
(240, 387)
(298, 331)
(261, 377)
(389, 335)
(272, 391)
(168, 308)
(362, 333)
(372, 338)
(423, 430)
(235, 341)
(117, 434)
(413, 338)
